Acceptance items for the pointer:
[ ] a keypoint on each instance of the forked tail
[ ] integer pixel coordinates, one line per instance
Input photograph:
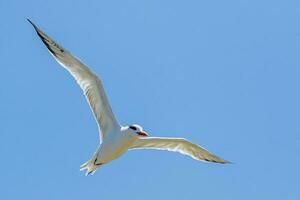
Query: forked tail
(90, 167)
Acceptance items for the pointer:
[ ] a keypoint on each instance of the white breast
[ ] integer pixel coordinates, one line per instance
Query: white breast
(113, 147)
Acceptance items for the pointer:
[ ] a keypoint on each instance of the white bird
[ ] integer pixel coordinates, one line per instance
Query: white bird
(115, 139)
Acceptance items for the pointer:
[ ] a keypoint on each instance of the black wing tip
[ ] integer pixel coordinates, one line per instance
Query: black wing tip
(221, 161)
(31, 22)
(34, 26)
(39, 33)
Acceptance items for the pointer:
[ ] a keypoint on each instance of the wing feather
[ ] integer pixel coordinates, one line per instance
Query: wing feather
(87, 80)
(179, 145)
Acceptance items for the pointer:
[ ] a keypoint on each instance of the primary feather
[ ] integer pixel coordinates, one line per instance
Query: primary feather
(87, 80)
(179, 145)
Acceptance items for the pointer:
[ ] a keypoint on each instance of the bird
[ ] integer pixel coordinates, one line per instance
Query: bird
(115, 139)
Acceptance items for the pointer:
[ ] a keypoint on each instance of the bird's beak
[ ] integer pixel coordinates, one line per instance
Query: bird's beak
(143, 134)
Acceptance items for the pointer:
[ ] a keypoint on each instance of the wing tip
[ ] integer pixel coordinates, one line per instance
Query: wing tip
(29, 20)
(224, 162)
(44, 38)
(34, 26)
(229, 162)
(218, 161)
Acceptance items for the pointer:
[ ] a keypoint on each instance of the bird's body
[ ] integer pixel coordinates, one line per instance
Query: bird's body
(115, 139)
(114, 146)
(111, 148)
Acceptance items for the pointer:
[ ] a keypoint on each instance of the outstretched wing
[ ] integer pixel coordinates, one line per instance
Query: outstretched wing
(87, 80)
(179, 145)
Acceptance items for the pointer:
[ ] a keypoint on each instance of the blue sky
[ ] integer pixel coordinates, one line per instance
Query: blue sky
(224, 74)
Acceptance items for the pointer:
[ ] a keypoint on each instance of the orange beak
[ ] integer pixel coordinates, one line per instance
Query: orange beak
(143, 134)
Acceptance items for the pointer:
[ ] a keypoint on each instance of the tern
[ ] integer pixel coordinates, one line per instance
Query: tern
(115, 139)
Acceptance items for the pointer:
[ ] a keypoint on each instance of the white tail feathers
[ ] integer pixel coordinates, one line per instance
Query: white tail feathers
(89, 166)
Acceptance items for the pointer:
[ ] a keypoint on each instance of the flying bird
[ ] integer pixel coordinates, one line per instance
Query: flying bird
(115, 139)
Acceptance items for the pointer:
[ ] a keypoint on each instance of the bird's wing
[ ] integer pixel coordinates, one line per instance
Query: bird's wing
(87, 80)
(180, 145)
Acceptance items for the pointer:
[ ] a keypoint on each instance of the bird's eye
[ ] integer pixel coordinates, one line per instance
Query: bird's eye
(133, 128)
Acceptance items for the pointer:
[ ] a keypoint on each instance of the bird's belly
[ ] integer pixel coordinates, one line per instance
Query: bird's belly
(112, 150)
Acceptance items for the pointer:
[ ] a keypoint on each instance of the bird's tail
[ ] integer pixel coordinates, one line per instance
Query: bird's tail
(89, 167)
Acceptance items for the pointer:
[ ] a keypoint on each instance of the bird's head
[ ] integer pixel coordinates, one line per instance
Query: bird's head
(137, 130)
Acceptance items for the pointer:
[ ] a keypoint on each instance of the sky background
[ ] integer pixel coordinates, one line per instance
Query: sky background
(224, 74)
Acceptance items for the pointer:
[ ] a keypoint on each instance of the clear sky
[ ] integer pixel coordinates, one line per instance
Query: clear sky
(224, 74)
